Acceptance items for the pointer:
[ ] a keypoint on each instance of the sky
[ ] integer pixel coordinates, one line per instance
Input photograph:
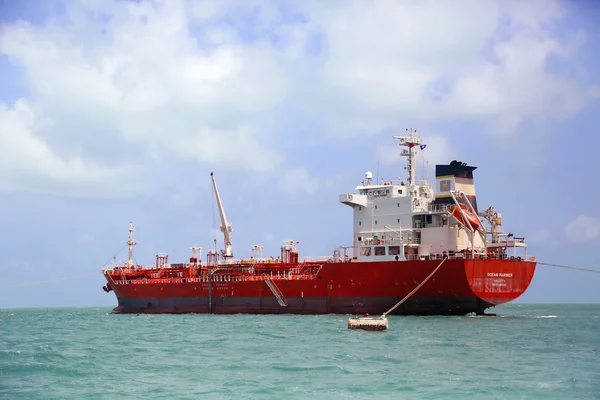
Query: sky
(116, 111)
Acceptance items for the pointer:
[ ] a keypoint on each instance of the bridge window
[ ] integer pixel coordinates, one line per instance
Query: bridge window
(380, 250)
(365, 251)
(394, 250)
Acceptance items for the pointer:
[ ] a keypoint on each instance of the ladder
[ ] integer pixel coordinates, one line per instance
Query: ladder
(276, 292)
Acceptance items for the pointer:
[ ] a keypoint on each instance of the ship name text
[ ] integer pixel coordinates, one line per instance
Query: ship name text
(499, 274)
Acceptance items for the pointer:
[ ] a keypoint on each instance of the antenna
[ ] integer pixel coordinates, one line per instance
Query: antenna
(423, 169)
(410, 141)
(130, 243)
(377, 174)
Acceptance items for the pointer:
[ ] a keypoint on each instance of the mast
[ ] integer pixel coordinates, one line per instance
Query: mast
(130, 243)
(410, 141)
(226, 227)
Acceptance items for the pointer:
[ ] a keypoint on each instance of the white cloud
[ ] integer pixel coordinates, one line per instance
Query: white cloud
(582, 229)
(437, 151)
(485, 60)
(339, 180)
(232, 149)
(143, 78)
(113, 84)
(28, 161)
(298, 180)
(517, 86)
(540, 236)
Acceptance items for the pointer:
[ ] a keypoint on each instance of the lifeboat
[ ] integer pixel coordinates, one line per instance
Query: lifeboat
(465, 215)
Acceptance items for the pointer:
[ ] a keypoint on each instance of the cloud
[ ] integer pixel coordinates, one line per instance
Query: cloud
(119, 88)
(297, 181)
(438, 150)
(582, 229)
(540, 236)
(139, 81)
(29, 162)
(425, 61)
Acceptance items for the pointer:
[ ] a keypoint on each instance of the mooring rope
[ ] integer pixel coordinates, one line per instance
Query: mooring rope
(414, 290)
(568, 267)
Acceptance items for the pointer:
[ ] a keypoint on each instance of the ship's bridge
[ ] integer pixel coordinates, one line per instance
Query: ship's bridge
(385, 189)
(374, 191)
(367, 193)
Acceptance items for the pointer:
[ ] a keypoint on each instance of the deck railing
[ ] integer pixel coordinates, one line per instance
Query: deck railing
(439, 208)
(304, 267)
(423, 257)
(307, 273)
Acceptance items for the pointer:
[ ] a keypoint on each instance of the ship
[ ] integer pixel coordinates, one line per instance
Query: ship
(402, 231)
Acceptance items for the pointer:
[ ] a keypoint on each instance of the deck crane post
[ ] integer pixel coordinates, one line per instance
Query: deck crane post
(226, 227)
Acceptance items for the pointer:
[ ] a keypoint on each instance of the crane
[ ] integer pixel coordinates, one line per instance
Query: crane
(226, 227)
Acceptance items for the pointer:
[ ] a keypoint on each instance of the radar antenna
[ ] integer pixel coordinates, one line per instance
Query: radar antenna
(410, 141)
(226, 227)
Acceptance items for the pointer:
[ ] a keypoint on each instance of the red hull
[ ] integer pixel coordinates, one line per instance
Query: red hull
(460, 286)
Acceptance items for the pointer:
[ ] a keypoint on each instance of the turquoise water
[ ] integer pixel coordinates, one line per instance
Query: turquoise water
(527, 352)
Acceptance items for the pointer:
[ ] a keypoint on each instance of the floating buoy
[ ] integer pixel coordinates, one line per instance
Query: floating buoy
(368, 323)
(381, 323)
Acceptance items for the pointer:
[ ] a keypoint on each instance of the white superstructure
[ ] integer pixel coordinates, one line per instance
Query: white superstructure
(405, 220)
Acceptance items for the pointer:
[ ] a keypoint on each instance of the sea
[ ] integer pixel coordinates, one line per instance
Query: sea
(527, 351)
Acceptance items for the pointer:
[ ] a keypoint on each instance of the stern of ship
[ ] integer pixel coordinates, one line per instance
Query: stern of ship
(497, 282)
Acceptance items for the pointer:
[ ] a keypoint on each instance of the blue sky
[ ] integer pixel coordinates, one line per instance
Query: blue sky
(112, 111)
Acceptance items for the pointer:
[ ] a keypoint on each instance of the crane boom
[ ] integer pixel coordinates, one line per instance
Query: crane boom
(226, 227)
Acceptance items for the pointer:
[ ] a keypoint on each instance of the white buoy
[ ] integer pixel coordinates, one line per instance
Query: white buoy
(381, 323)
(368, 324)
